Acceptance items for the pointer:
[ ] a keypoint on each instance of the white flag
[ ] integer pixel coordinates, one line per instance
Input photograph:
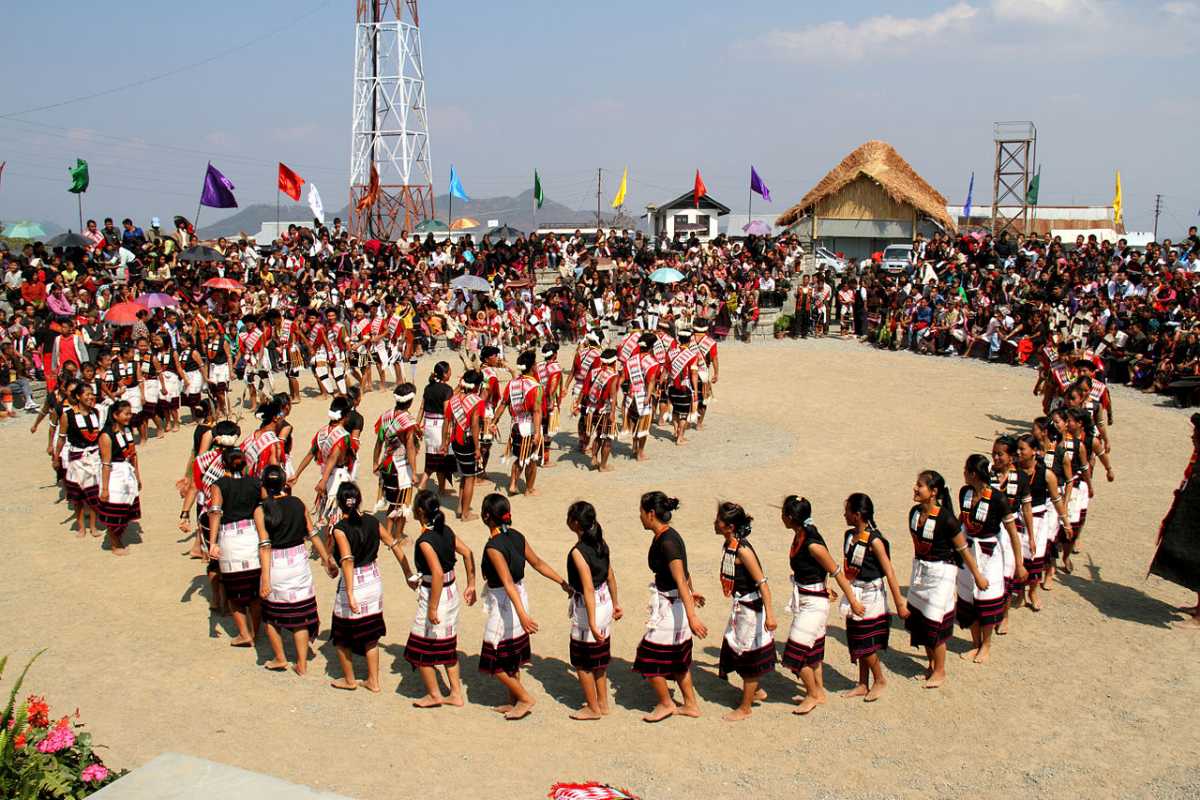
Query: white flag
(314, 203)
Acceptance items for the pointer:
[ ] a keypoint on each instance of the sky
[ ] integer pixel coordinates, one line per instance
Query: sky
(663, 88)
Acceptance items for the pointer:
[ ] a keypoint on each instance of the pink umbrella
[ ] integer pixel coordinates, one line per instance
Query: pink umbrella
(157, 300)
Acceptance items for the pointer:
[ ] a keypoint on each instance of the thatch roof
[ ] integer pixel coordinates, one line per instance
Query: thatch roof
(879, 162)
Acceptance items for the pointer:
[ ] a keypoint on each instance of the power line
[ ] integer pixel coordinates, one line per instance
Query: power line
(172, 72)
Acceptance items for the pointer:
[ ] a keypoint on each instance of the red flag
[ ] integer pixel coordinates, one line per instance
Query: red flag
(699, 191)
(289, 182)
(372, 194)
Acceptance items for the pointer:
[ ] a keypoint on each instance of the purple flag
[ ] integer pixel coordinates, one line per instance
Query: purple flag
(218, 190)
(757, 185)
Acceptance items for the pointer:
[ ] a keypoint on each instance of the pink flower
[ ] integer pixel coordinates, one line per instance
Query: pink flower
(94, 772)
(60, 738)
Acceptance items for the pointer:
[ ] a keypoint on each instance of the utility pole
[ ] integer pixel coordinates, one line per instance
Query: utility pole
(1157, 211)
(598, 171)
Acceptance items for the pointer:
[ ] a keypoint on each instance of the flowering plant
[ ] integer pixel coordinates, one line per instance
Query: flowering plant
(45, 758)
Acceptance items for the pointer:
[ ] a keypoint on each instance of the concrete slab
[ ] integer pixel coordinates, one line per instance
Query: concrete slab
(173, 776)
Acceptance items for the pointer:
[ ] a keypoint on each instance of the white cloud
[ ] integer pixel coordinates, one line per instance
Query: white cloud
(884, 34)
(1047, 10)
(1182, 9)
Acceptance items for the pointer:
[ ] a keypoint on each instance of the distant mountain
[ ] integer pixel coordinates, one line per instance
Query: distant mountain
(515, 211)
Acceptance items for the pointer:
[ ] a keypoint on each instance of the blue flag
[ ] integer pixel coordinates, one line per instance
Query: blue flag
(456, 187)
(970, 190)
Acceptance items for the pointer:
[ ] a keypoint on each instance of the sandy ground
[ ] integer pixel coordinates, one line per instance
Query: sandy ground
(1082, 697)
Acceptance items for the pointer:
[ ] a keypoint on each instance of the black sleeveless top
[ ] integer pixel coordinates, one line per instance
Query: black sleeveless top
(511, 545)
(239, 498)
(597, 566)
(934, 542)
(665, 548)
(363, 537)
(805, 569)
(443, 548)
(285, 523)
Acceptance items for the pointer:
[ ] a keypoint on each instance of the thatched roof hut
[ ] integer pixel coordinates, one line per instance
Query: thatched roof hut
(874, 183)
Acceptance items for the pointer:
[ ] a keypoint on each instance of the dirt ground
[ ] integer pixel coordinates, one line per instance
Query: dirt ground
(1093, 695)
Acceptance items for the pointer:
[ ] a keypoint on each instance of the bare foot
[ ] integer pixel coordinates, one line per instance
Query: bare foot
(586, 713)
(276, 666)
(808, 705)
(519, 711)
(737, 715)
(453, 700)
(344, 685)
(428, 701)
(876, 692)
(686, 710)
(860, 690)
(659, 713)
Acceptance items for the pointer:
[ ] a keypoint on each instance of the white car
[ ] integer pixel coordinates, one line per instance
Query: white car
(897, 258)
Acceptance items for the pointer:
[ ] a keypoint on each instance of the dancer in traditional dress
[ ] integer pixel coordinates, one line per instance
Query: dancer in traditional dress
(811, 563)
(263, 448)
(432, 422)
(983, 512)
(463, 432)
(77, 448)
(333, 449)
(593, 608)
(433, 637)
(1008, 479)
(289, 600)
(938, 545)
(665, 651)
(1046, 506)
(642, 371)
(1176, 556)
(867, 565)
(120, 477)
(394, 457)
(684, 386)
(233, 542)
(748, 647)
(599, 406)
(358, 623)
(508, 627)
(522, 398)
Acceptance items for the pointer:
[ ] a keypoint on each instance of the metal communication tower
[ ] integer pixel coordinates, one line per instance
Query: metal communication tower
(1016, 156)
(390, 128)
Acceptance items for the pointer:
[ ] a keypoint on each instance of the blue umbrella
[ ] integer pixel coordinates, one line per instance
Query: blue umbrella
(666, 275)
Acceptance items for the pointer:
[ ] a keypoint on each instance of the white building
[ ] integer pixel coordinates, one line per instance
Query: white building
(682, 217)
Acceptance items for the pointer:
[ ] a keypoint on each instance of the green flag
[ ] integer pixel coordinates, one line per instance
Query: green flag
(79, 176)
(1031, 196)
(539, 196)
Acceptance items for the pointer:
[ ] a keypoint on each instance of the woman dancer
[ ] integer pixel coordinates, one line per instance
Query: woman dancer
(811, 563)
(120, 477)
(289, 600)
(938, 544)
(1008, 479)
(358, 605)
(233, 542)
(982, 513)
(433, 637)
(666, 648)
(748, 647)
(431, 420)
(77, 450)
(867, 564)
(1047, 507)
(506, 633)
(594, 607)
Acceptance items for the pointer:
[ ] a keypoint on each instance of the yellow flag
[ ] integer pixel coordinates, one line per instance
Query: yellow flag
(619, 200)
(1117, 218)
